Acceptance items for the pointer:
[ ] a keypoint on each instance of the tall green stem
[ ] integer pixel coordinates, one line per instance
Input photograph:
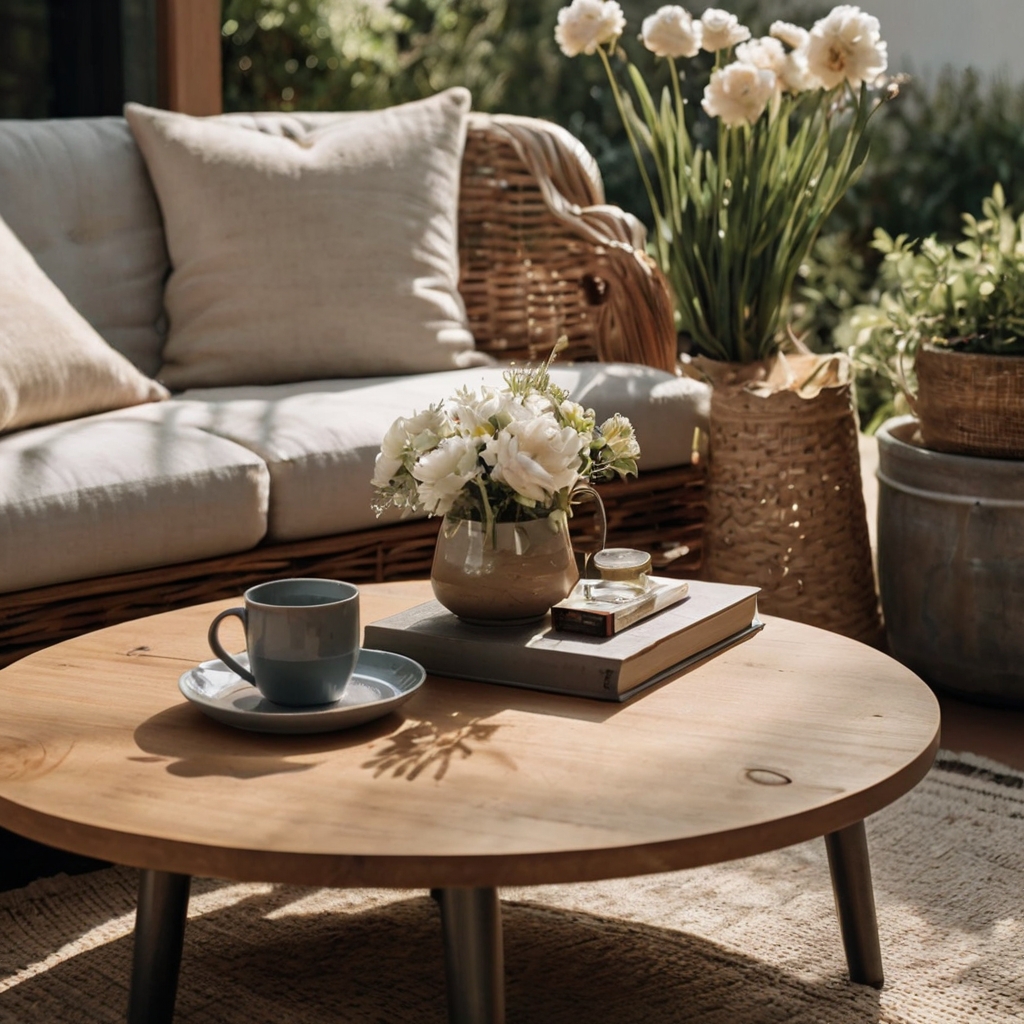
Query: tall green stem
(655, 208)
(733, 224)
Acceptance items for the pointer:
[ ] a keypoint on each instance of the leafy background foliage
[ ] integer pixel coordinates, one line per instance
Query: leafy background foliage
(365, 54)
(935, 152)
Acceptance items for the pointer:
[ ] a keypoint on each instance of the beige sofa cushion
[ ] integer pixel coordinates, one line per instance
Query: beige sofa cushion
(77, 194)
(111, 493)
(313, 254)
(53, 365)
(319, 440)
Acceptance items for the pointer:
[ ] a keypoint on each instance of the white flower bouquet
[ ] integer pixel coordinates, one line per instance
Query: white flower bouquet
(733, 222)
(501, 455)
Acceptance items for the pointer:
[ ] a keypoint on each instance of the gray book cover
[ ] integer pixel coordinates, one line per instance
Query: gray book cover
(712, 616)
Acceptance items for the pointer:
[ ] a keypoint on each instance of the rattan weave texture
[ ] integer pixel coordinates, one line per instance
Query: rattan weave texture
(786, 506)
(970, 403)
(542, 256)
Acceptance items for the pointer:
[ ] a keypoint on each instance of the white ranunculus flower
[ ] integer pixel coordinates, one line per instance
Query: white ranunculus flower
(416, 433)
(442, 473)
(739, 93)
(580, 419)
(534, 404)
(535, 457)
(395, 440)
(473, 411)
(672, 32)
(585, 25)
(619, 437)
(792, 35)
(721, 30)
(385, 469)
(790, 68)
(763, 53)
(846, 45)
(796, 74)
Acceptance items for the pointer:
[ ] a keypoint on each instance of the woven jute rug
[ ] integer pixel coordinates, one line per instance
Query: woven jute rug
(751, 942)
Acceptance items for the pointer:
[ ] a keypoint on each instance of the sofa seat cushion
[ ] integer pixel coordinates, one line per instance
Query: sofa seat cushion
(111, 494)
(77, 194)
(320, 439)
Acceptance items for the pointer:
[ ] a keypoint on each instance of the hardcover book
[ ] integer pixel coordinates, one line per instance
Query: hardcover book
(710, 618)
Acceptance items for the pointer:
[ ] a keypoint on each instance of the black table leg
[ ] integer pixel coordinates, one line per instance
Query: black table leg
(855, 903)
(474, 967)
(159, 933)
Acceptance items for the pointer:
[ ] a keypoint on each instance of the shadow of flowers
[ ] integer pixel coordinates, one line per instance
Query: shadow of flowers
(428, 745)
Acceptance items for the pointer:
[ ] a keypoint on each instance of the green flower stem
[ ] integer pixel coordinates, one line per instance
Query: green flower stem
(733, 225)
(632, 138)
(485, 502)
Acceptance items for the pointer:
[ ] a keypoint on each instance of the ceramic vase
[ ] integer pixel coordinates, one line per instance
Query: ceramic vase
(511, 574)
(951, 589)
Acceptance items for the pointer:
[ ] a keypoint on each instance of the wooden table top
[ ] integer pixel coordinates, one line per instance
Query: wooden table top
(792, 734)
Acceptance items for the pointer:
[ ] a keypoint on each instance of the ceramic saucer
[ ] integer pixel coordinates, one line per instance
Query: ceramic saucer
(381, 682)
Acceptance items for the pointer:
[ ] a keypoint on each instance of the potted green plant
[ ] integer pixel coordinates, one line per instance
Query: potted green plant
(956, 312)
(951, 489)
(785, 117)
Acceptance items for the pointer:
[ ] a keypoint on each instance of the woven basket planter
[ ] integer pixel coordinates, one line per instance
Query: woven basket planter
(785, 505)
(970, 403)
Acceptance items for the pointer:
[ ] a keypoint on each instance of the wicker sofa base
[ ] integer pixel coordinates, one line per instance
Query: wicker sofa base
(662, 512)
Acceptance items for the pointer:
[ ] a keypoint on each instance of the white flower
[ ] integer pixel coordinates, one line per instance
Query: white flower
(672, 32)
(793, 36)
(416, 433)
(581, 420)
(796, 75)
(739, 93)
(846, 46)
(763, 53)
(442, 473)
(535, 457)
(473, 412)
(406, 438)
(721, 30)
(619, 437)
(385, 469)
(790, 68)
(585, 25)
(533, 404)
(496, 454)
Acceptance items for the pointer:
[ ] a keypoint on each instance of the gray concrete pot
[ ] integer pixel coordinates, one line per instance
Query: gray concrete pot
(951, 565)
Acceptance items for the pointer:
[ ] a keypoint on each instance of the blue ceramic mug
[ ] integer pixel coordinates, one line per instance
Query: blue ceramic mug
(302, 636)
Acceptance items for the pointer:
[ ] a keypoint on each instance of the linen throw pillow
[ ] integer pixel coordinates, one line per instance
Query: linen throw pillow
(53, 364)
(329, 250)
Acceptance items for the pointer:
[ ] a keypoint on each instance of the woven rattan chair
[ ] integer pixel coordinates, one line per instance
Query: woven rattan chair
(541, 256)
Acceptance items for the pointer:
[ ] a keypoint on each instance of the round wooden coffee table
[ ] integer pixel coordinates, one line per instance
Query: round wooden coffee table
(795, 733)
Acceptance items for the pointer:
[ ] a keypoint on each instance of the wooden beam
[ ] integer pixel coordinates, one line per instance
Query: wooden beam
(190, 59)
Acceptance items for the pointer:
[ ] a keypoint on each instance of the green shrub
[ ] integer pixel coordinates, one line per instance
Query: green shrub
(966, 295)
(363, 54)
(936, 153)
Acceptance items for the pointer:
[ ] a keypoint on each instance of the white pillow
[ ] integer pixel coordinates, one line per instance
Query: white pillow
(329, 251)
(53, 364)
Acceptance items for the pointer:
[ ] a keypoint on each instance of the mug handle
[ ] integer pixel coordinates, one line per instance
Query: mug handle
(215, 644)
